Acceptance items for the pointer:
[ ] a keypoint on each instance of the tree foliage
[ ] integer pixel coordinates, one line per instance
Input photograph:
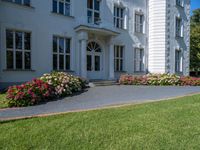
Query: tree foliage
(195, 41)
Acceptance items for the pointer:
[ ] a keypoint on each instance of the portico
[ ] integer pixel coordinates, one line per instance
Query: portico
(96, 52)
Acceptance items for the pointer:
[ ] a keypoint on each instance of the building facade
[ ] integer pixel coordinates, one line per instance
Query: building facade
(94, 39)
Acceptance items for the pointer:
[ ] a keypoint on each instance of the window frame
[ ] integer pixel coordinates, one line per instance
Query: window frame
(58, 53)
(57, 11)
(179, 3)
(178, 62)
(14, 50)
(139, 27)
(179, 27)
(141, 60)
(120, 58)
(93, 10)
(120, 19)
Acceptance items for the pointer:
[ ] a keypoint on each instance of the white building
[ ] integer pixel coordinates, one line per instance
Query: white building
(95, 39)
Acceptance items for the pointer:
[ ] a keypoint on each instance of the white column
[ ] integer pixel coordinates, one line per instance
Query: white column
(83, 37)
(83, 58)
(111, 61)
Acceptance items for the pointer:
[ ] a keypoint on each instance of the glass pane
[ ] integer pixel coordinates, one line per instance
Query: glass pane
(27, 60)
(9, 58)
(90, 4)
(27, 41)
(27, 2)
(68, 45)
(18, 1)
(18, 60)
(117, 65)
(9, 39)
(121, 51)
(61, 62)
(89, 62)
(122, 13)
(55, 44)
(117, 12)
(61, 45)
(97, 63)
(55, 6)
(96, 17)
(18, 40)
(61, 7)
(54, 62)
(67, 62)
(121, 65)
(89, 13)
(67, 9)
(96, 5)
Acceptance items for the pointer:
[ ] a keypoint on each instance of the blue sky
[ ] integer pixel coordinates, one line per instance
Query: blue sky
(195, 4)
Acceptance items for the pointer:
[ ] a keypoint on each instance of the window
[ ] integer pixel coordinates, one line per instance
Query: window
(93, 11)
(139, 21)
(179, 27)
(62, 7)
(178, 61)
(61, 53)
(119, 56)
(139, 60)
(18, 50)
(180, 3)
(118, 17)
(21, 2)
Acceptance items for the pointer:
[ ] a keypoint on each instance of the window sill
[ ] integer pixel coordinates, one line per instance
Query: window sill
(120, 71)
(19, 70)
(120, 29)
(21, 5)
(140, 33)
(179, 37)
(179, 6)
(62, 15)
(71, 71)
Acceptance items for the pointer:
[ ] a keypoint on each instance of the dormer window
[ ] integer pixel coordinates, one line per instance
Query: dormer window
(61, 7)
(20, 2)
(180, 3)
(93, 11)
(119, 17)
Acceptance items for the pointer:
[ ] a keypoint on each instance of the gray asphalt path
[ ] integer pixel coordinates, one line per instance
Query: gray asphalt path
(98, 97)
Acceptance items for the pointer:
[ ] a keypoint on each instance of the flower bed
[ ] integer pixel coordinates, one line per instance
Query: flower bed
(159, 80)
(53, 85)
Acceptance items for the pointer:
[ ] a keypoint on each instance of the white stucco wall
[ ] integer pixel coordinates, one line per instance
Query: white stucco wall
(43, 24)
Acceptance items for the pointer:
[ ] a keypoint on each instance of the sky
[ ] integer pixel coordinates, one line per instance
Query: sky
(195, 4)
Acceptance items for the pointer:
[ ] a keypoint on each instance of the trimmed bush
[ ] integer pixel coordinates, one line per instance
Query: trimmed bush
(63, 83)
(28, 94)
(159, 80)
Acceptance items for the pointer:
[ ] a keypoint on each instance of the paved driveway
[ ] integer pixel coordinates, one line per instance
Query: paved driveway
(98, 97)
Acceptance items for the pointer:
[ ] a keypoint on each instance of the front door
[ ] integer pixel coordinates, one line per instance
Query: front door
(94, 61)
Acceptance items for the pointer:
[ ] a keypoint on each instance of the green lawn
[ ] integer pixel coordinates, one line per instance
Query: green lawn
(173, 124)
(3, 101)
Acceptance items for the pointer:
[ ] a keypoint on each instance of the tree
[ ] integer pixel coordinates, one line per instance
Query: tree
(195, 41)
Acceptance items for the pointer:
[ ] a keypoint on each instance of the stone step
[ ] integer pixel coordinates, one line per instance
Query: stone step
(103, 83)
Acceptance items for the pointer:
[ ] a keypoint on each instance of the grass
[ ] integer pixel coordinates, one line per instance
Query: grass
(173, 124)
(3, 103)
